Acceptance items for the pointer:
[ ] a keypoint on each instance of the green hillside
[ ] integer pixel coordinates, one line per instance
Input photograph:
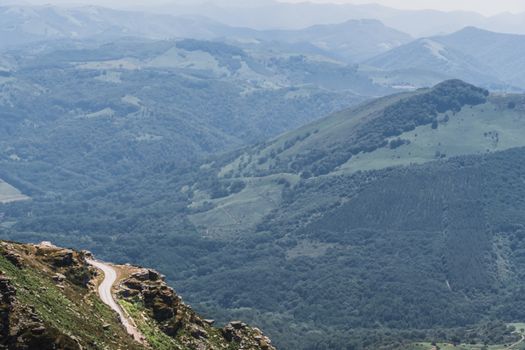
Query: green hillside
(49, 300)
(407, 210)
(398, 130)
(446, 227)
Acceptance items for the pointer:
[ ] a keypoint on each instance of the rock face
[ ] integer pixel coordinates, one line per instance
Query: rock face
(177, 320)
(20, 326)
(71, 264)
(48, 300)
(46, 303)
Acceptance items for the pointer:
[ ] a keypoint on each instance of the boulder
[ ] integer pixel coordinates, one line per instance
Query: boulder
(230, 334)
(238, 324)
(38, 330)
(62, 258)
(197, 332)
(58, 277)
(133, 283)
(14, 258)
(147, 275)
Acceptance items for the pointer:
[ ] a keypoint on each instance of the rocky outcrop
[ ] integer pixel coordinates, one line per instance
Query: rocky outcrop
(66, 262)
(44, 301)
(49, 300)
(180, 322)
(22, 328)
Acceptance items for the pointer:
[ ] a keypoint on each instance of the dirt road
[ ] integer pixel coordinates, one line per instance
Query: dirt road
(106, 295)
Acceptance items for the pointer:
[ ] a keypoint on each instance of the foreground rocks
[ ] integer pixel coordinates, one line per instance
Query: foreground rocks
(49, 300)
(148, 288)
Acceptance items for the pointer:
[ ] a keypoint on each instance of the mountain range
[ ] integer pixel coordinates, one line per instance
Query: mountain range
(270, 14)
(351, 41)
(339, 184)
(416, 181)
(385, 55)
(476, 55)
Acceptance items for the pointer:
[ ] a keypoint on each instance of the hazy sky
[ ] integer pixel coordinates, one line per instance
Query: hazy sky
(487, 7)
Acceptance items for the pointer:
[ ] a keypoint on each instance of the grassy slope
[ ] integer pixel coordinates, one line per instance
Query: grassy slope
(9, 193)
(476, 130)
(73, 311)
(489, 127)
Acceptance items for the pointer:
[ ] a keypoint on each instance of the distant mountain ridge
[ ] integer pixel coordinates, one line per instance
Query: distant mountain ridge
(21, 24)
(418, 23)
(351, 41)
(476, 55)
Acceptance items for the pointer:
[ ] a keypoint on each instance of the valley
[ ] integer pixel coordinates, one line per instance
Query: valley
(272, 221)
(350, 178)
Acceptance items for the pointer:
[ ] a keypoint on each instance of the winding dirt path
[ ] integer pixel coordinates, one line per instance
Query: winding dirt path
(106, 295)
(518, 342)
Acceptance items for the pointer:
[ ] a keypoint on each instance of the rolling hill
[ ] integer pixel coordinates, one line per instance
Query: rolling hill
(275, 14)
(501, 52)
(408, 196)
(96, 112)
(350, 41)
(25, 24)
(475, 55)
(407, 210)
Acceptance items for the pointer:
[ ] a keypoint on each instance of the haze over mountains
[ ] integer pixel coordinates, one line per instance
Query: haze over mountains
(344, 177)
(476, 55)
(272, 14)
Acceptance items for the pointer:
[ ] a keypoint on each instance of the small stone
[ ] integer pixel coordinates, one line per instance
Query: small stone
(238, 324)
(38, 330)
(198, 333)
(59, 277)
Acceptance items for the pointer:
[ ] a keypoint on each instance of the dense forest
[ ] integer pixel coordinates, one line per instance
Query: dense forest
(428, 252)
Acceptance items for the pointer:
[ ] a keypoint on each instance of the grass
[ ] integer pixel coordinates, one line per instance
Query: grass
(72, 311)
(157, 339)
(477, 130)
(447, 346)
(9, 193)
(520, 329)
(235, 214)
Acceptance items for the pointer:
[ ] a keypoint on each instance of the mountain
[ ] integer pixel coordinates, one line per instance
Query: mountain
(431, 57)
(501, 52)
(506, 23)
(394, 223)
(402, 209)
(353, 40)
(479, 56)
(96, 112)
(326, 197)
(48, 300)
(273, 14)
(24, 24)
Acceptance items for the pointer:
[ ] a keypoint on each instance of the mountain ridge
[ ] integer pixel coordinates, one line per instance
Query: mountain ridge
(476, 55)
